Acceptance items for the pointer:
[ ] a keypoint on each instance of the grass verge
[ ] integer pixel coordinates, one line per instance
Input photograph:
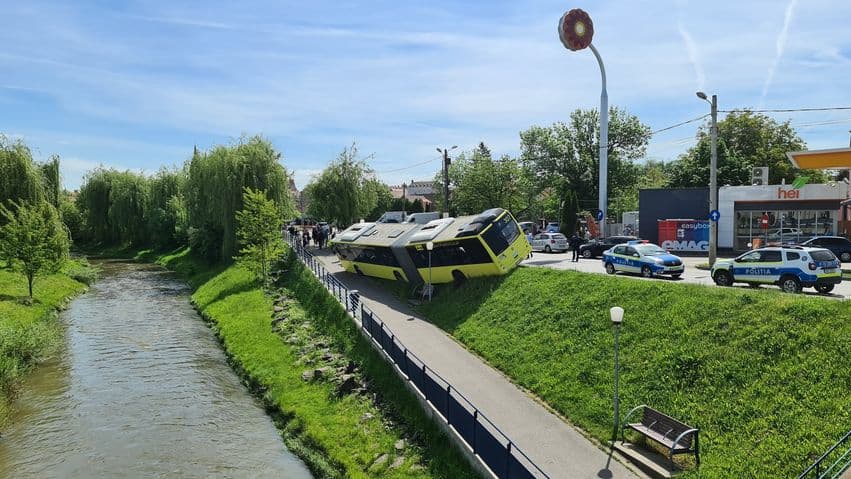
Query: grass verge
(300, 365)
(28, 332)
(765, 376)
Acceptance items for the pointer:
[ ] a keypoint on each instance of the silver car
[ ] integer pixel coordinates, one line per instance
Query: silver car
(550, 242)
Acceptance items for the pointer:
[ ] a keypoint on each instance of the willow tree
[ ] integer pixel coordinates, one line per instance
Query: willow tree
(166, 208)
(214, 188)
(51, 181)
(113, 204)
(20, 179)
(345, 191)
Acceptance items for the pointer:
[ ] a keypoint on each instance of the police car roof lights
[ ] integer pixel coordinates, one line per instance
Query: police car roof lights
(639, 241)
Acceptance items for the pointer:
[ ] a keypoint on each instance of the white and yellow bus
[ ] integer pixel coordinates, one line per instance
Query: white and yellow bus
(487, 244)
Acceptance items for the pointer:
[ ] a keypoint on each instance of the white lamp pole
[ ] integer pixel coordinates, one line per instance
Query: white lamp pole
(429, 247)
(616, 314)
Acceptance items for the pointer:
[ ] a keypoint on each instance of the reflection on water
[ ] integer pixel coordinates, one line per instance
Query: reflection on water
(142, 390)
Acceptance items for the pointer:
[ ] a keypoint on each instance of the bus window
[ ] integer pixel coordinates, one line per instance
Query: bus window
(468, 251)
(501, 234)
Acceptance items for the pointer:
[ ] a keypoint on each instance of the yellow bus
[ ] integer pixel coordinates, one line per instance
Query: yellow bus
(490, 243)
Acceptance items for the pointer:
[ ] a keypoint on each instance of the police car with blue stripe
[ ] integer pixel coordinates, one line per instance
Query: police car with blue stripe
(790, 267)
(642, 257)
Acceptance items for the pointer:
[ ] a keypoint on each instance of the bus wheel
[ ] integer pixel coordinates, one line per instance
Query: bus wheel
(358, 271)
(458, 277)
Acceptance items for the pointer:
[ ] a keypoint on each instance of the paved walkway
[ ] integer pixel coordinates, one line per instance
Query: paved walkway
(555, 446)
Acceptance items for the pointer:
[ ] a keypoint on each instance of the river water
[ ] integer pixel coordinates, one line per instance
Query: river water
(141, 389)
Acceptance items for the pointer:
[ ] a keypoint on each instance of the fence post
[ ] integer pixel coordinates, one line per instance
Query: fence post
(475, 423)
(508, 460)
(448, 388)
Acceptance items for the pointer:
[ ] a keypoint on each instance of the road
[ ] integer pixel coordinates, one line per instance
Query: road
(691, 275)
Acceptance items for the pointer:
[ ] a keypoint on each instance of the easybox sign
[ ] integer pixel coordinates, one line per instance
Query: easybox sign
(684, 235)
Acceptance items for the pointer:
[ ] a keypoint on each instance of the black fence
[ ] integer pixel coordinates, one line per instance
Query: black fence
(490, 445)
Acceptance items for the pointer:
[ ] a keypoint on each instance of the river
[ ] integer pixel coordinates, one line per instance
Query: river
(140, 389)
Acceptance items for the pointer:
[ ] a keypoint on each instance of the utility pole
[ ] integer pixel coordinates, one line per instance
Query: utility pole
(713, 174)
(446, 162)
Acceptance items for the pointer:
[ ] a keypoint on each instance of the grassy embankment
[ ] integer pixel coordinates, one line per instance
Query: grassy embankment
(28, 332)
(339, 433)
(765, 375)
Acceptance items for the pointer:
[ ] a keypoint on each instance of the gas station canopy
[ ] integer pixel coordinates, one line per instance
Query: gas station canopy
(838, 159)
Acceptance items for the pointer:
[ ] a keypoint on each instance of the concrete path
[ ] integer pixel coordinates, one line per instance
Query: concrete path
(555, 446)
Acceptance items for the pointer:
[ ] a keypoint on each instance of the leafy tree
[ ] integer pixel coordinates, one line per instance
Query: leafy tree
(569, 214)
(345, 191)
(479, 182)
(745, 140)
(383, 199)
(565, 156)
(20, 178)
(32, 240)
(259, 226)
(71, 216)
(214, 192)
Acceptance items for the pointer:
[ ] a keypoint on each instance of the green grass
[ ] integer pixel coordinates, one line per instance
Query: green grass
(29, 331)
(327, 430)
(766, 376)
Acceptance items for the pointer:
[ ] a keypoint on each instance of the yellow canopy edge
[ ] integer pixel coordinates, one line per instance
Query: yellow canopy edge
(821, 159)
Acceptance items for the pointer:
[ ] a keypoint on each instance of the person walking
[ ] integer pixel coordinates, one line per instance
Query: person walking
(575, 242)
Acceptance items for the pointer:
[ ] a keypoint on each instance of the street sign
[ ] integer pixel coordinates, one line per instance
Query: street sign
(599, 215)
(714, 215)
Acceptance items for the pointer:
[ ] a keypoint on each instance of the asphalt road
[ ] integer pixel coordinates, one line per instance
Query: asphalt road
(691, 274)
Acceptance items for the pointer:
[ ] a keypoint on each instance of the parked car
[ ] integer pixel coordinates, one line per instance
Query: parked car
(639, 256)
(838, 245)
(550, 242)
(552, 228)
(595, 247)
(790, 267)
(786, 235)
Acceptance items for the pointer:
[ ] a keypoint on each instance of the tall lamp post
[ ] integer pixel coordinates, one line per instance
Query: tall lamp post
(713, 174)
(616, 314)
(429, 247)
(446, 163)
(575, 29)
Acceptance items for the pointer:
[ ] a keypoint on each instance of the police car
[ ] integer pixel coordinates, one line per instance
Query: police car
(790, 267)
(642, 257)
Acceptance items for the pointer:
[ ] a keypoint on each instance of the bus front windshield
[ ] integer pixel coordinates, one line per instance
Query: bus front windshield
(501, 234)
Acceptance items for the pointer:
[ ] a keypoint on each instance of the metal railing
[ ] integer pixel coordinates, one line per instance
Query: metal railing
(830, 465)
(490, 445)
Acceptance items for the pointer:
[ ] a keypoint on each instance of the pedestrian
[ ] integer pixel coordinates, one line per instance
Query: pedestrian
(305, 239)
(319, 236)
(529, 238)
(575, 242)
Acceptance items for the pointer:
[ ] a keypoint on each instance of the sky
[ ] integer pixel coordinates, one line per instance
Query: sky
(135, 85)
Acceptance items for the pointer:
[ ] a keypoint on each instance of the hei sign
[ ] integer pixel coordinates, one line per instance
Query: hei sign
(788, 193)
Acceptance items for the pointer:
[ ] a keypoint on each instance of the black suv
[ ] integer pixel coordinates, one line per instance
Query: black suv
(595, 247)
(838, 245)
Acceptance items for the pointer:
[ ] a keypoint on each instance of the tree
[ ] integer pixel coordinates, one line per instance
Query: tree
(345, 191)
(565, 156)
(32, 240)
(479, 182)
(569, 214)
(745, 140)
(259, 226)
(20, 178)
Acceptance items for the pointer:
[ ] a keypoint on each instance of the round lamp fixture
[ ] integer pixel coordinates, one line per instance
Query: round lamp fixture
(575, 29)
(616, 314)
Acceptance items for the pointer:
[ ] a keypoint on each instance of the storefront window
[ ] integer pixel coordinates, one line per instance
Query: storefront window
(787, 226)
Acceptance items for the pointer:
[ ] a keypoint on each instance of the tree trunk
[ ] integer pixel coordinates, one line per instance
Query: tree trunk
(30, 278)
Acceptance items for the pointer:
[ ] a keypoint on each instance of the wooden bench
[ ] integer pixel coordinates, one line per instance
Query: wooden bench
(678, 437)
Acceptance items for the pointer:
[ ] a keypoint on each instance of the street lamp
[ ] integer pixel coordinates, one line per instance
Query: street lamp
(429, 247)
(713, 175)
(616, 314)
(446, 162)
(576, 30)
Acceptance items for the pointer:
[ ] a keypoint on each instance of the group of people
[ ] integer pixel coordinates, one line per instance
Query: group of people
(319, 235)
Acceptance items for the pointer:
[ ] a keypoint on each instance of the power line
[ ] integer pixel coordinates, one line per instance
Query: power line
(678, 124)
(789, 110)
(410, 166)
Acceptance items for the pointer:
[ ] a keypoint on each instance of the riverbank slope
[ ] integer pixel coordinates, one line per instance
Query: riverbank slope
(339, 405)
(28, 332)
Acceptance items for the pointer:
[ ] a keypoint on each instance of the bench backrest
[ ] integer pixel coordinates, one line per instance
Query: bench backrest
(664, 424)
